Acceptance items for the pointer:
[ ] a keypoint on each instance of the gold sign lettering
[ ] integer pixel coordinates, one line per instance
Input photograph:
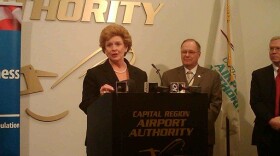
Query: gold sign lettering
(150, 13)
(84, 10)
(129, 10)
(98, 12)
(51, 9)
(113, 11)
(63, 8)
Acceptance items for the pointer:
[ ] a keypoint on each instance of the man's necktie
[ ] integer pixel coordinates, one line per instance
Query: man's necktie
(189, 76)
(277, 82)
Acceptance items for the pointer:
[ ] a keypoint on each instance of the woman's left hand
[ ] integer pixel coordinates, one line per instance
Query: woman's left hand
(106, 89)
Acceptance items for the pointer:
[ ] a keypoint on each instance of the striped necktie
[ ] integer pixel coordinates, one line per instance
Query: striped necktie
(189, 76)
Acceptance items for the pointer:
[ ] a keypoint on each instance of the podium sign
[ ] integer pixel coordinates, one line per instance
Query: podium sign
(148, 124)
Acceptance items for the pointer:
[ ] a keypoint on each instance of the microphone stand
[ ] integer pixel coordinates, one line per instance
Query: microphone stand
(161, 88)
(158, 72)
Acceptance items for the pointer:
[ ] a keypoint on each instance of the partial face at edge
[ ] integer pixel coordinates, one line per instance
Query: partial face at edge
(274, 52)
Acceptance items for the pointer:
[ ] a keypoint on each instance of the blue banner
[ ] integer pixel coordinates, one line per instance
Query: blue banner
(10, 44)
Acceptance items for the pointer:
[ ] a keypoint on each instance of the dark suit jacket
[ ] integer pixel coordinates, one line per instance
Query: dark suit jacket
(104, 74)
(210, 83)
(262, 101)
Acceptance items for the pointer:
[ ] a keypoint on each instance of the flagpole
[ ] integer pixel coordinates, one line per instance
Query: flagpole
(229, 63)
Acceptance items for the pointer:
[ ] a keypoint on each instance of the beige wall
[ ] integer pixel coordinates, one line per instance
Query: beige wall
(57, 46)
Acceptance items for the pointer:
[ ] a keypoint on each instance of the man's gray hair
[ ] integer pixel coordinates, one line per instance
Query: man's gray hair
(275, 38)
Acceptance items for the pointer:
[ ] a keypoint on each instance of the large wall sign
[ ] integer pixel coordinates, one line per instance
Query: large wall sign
(84, 10)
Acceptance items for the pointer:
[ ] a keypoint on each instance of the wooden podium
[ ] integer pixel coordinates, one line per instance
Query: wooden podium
(148, 124)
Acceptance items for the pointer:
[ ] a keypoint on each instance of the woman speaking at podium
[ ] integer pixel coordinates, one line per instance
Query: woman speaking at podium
(115, 42)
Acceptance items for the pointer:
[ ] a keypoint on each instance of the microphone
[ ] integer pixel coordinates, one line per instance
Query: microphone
(190, 89)
(158, 72)
(126, 86)
(181, 87)
(161, 88)
(131, 85)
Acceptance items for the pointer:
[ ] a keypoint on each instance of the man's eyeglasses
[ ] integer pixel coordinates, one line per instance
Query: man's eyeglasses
(190, 52)
(276, 49)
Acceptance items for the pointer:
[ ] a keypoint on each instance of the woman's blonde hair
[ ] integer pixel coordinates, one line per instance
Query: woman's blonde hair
(115, 30)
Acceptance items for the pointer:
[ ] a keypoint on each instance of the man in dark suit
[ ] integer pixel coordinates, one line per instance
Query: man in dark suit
(193, 74)
(266, 132)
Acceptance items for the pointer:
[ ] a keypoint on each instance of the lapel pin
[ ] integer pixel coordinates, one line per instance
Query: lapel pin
(199, 76)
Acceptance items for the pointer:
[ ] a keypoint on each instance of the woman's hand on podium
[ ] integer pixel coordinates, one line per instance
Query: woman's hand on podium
(106, 89)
